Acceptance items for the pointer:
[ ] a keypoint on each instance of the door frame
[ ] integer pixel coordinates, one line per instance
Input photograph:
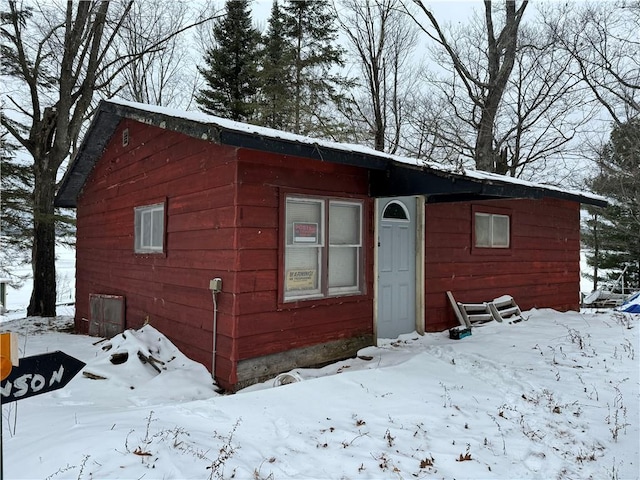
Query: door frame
(420, 265)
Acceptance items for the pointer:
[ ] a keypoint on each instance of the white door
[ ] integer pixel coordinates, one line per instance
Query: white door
(396, 292)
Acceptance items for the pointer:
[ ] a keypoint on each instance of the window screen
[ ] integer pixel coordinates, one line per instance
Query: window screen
(149, 228)
(345, 243)
(500, 231)
(303, 251)
(323, 248)
(492, 230)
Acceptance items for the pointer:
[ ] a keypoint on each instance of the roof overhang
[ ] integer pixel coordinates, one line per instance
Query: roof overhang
(441, 186)
(389, 175)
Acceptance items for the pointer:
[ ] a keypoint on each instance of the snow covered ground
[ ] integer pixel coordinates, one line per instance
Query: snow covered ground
(556, 396)
(18, 296)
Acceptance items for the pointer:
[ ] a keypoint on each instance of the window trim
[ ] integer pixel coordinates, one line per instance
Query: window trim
(325, 293)
(138, 249)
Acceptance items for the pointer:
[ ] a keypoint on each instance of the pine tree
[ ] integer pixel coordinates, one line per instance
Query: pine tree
(16, 205)
(231, 71)
(276, 75)
(614, 234)
(313, 33)
(16, 212)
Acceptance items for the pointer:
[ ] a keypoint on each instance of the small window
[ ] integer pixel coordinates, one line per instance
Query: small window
(149, 229)
(492, 230)
(323, 248)
(395, 211)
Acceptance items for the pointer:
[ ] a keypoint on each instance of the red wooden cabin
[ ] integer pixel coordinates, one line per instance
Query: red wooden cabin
(321, 248)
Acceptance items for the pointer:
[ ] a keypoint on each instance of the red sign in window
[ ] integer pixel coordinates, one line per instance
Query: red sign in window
(305, 232)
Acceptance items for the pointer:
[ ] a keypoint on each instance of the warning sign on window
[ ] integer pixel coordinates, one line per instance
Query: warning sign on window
(301, 279)
(305, 232)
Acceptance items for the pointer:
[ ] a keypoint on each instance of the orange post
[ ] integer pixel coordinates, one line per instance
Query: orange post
(8, 353)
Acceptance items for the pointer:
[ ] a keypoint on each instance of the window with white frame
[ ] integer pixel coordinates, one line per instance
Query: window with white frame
(492, 230)
(323, 248)
(149, 228)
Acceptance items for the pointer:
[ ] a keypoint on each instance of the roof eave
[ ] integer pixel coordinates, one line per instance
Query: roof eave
(388, 177)
(109, 115)
(441, 186)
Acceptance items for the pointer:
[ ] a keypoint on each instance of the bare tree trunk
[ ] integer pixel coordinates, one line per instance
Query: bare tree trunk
(485, 92)
(596, 253)
(501, 54)
(485, 156)
(75, 57)
(43, 295)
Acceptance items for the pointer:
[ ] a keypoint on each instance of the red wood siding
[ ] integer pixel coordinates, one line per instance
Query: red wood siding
(541, 269)
(171, 290)
(222, 220)
(266, 326)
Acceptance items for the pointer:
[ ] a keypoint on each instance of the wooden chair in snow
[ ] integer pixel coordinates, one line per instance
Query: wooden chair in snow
(469, 314)
(505, 309)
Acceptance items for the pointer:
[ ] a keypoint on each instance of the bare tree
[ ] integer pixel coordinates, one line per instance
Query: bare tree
(485, 80)
(436, 129)
(57, 55)
(444, 119)
(544, 109)
(164, 76)
(603, 39)
(383, 41)
(539, 120)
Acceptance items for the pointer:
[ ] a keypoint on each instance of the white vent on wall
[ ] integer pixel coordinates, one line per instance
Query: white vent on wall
(125, 137)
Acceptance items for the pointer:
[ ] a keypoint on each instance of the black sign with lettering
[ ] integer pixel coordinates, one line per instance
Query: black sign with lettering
(39, 374)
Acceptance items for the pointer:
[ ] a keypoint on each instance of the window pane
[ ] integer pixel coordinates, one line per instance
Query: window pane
(137, 229)
(149, 228)
(303, 252)
(343, 267)
(310, 224)
(304, 222)
(157, 228)
(146, 229)
(344, 224)
(483, 230)
(395, 211)
(500, 230)
(345, 238)
(302, 271)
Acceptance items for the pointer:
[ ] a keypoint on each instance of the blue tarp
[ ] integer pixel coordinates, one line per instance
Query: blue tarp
(632, 305)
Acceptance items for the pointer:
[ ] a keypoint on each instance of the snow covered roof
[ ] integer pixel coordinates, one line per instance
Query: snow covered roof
(391, 175)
